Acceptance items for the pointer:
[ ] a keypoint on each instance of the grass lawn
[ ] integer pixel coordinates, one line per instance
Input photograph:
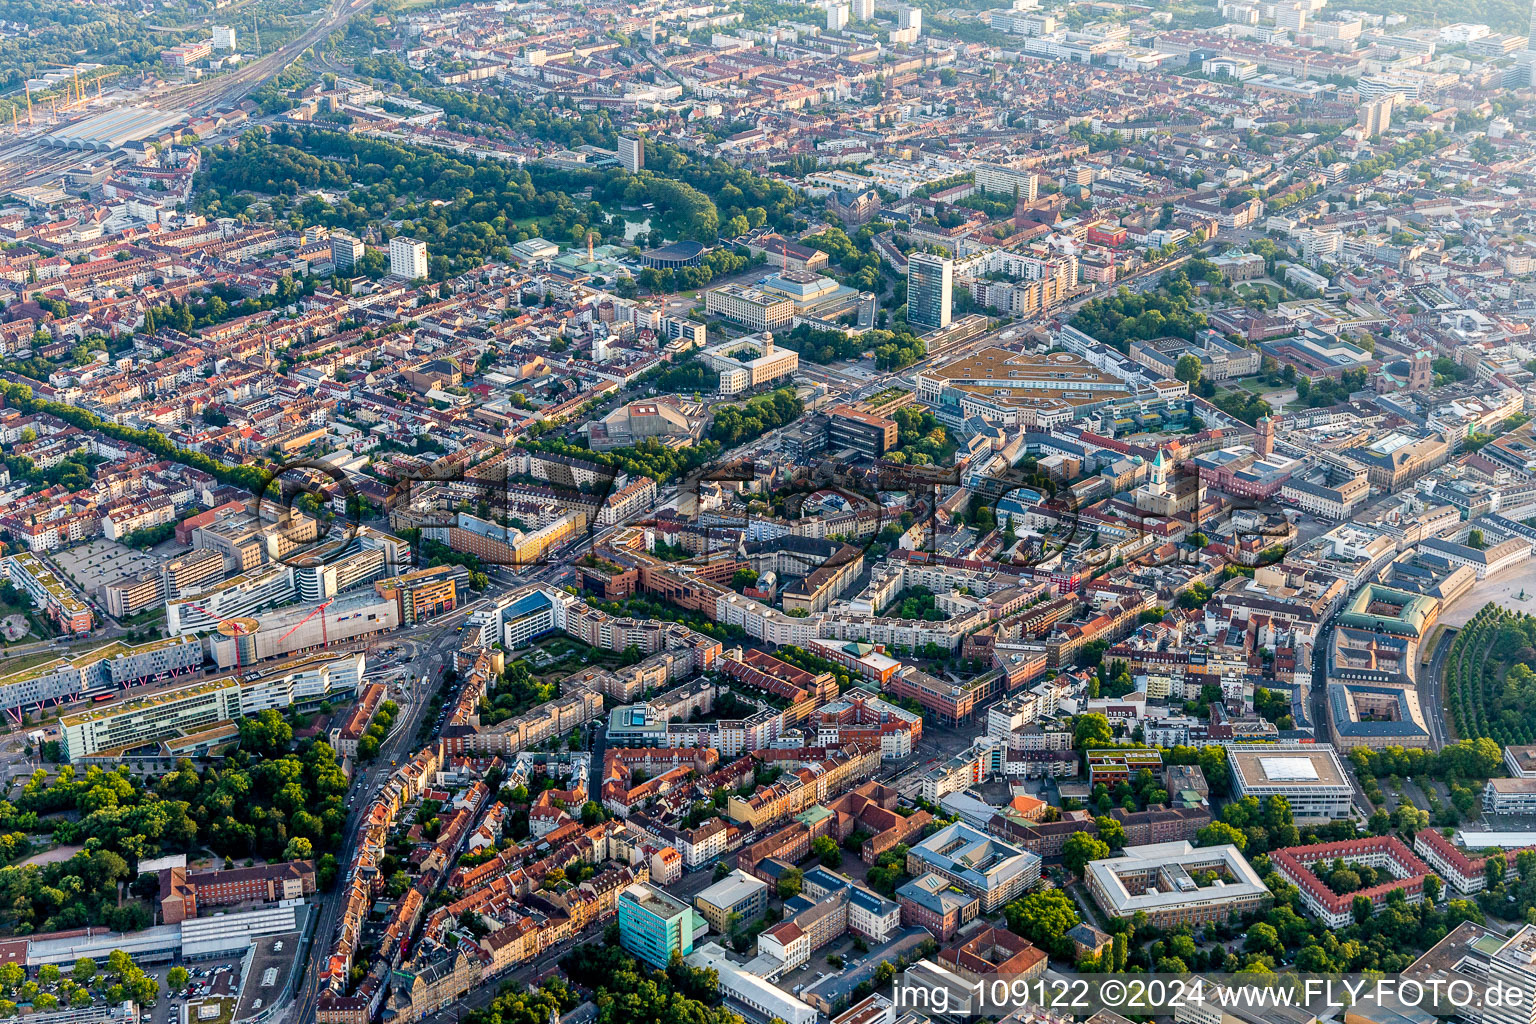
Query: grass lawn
(566, 656)
(22, 662)
(24, 608)
(1253, 386)
(539, 226)
(226, 1011)
(147, 617)
(1272, 292)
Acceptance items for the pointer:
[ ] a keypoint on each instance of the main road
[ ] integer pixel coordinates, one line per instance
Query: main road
(431, 654)
(1431, 682)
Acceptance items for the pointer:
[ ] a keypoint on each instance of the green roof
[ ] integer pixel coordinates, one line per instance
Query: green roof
(114, 649)
(811, 815)
(1413, 611)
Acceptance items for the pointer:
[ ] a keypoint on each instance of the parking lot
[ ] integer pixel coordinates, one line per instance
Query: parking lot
(212, 977)
(99, 562)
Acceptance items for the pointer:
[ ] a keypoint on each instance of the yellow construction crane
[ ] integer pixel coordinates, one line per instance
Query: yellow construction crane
(76, 97)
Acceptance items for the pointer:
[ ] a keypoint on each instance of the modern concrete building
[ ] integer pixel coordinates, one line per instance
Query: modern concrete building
(240, 595)
(753, 308)
(169, 719)
(1513, 967)
(1007, 181)
(1176, 884)
(1376, 115)
(132, 594)
(930, 281)
(654, 925)
(346, 252)
(737, 895)
(100, 671)
(1510, 796)
(193, 572)
(407, 258)
(1521, 762)
(300, 627)
(631, 153)
(990, 870)
(869, 435)
(1018, 388)
(1310, 777)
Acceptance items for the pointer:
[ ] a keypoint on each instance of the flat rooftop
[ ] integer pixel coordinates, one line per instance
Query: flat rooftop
(145, 699)
(732, 889)
(1264, 766)
(1241, 882)
(657, 902)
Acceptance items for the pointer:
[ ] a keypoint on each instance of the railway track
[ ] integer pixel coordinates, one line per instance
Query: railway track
(27, 161)
(237, 85)
(32, 163)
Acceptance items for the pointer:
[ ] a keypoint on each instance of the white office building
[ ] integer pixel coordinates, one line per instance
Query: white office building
(1513, 970)
(631, 154)
(1007, 181)
(407, 258)
(750, 990)
(1310, 777)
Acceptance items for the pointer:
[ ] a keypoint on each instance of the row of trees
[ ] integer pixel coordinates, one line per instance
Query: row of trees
(1490, 685)
(715, 263)
(249, 478)
(1479, 759)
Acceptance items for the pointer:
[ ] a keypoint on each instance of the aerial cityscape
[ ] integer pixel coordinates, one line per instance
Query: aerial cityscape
(767, 511)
